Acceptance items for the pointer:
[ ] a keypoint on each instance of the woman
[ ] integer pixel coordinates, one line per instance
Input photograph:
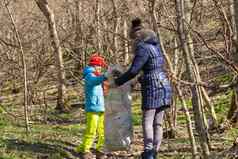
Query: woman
(156, 89)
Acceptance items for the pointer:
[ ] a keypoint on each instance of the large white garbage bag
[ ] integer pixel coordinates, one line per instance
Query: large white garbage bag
(118, 118)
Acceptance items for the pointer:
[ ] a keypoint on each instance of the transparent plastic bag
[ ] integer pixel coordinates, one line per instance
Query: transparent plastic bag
(118, 118)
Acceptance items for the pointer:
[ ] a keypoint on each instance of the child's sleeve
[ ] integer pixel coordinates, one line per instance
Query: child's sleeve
(91, 79)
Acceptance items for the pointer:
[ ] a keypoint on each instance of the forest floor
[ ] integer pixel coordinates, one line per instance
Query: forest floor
(54, 136)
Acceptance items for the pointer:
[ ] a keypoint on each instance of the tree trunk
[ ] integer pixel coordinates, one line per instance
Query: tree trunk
(211, 111)
(172, 71)
(156, 29)
(23, 61)
(115, 28)
(78, 41)
(176, 57)
(189, 123)
(126, 45)
(48, 13)
(233, 112)
(98, 32)
(196, 90)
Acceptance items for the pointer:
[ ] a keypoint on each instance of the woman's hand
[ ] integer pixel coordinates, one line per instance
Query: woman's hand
(109, 71)
(112, 84)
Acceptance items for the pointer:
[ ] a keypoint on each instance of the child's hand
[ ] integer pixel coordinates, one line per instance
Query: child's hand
(109, 71)
(106, 87)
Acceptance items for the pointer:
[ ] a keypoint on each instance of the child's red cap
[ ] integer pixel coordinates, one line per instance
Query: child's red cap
(96, 60)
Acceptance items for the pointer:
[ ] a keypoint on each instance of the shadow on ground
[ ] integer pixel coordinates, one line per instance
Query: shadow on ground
(52, 149)
(58, 149)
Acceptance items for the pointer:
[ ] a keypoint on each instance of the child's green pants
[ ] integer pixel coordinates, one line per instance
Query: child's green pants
(94, 127)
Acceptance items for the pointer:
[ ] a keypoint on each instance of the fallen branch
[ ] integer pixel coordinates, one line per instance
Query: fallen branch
(234, 83)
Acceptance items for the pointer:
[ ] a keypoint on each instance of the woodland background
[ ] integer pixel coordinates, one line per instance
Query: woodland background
(45, 44)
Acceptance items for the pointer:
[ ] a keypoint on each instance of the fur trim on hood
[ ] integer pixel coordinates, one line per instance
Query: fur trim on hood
(147, 36)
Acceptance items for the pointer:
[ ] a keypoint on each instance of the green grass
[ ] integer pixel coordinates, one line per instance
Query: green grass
(231, 135)
(226, 78)
(181, 119)
(222, 105)
(55, 141)
(136, 114)
(58, 138)
(136, 119)
(187, 101)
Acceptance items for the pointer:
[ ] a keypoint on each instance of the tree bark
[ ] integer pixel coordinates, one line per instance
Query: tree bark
(115, 28)
(48, 13)
(23, 61)
(156, 29)
(189, 123)
(196, 90)
(126, 45)
(172, 71)
(233, 112)
(78, 41)
(203, 92)
(98, 31)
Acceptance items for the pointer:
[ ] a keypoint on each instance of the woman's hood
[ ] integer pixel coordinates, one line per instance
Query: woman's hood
(147, 36)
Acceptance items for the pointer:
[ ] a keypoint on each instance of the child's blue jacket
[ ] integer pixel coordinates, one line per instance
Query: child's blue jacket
(94, 99)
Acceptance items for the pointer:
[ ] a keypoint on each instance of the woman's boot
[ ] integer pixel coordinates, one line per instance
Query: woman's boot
(148, 154)
(155, 154)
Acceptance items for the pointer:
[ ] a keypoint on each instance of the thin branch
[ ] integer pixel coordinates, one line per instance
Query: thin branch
(24, 67)
(226, 61)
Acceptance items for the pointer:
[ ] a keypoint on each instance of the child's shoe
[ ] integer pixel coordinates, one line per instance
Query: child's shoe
(100, 155)
(86, 155)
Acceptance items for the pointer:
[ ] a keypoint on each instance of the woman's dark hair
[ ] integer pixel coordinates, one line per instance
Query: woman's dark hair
(136, 23)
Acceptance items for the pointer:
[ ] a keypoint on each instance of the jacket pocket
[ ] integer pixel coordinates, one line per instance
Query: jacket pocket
(93, 100)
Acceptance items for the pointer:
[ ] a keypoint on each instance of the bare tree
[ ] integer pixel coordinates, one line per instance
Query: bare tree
(125, 33)
(188, 9)
(126, 43)
(196, 90)
(203, 42)
(97, 23)
(48, 13)
(176, 86)
(23, 61)
(233, 112)
(115, 26)
(79, 34)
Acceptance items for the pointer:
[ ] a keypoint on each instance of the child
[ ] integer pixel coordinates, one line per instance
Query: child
(94, 108)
